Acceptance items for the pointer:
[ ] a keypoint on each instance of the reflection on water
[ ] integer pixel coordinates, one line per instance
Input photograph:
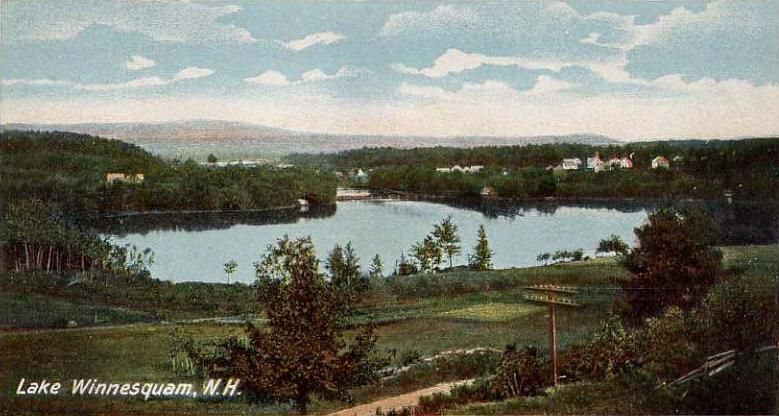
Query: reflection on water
(194, 246)
(203, 221)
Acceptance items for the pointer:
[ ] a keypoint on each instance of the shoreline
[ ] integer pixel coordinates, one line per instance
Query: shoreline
(203, 211)
(387, 194)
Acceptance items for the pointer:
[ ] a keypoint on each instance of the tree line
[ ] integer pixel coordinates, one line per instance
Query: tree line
(70, 170)
(703, 169)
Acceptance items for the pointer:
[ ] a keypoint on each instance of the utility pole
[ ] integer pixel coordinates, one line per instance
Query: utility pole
(551, 296)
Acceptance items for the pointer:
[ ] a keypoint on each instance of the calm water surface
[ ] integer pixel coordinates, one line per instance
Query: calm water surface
(387, 228)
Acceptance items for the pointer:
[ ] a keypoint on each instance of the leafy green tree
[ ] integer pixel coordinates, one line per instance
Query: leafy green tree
(482, 257)
(428, 254)
(301, 350)
(212, 158)
(613, 244)
(447, 238)
(544, 257)
(377, 267)
(229, 268)
(674, 263)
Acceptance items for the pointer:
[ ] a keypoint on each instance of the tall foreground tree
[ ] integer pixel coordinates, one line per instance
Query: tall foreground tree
(481, 259)
(447, 238)
(301, 350)
(674, 263)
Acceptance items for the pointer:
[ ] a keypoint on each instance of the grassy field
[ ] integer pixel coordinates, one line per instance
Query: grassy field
(420, 314)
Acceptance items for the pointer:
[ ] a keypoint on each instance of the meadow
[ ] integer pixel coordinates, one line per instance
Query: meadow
(415, 316)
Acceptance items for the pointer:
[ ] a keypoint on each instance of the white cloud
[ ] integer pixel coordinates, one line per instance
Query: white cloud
(278, 79)
(443, 16)
(324, 38)
(192, 72)
(138, 83)
(548, 85)
(138, 62)
(487, 91)
(166, 21)
(455, 61)
(269, 78)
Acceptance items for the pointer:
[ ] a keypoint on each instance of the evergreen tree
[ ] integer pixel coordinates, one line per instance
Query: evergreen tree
(377, 267)
(428, 254)
(344, 267)
(447, 238)
(301, 350)
(482, 257)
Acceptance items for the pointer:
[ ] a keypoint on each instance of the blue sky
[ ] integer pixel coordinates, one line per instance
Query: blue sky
(627, 69)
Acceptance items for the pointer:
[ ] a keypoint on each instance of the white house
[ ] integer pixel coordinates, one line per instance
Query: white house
(595, 163)
(572, 163)
(458, 168)
(660, 162)
(626, 163)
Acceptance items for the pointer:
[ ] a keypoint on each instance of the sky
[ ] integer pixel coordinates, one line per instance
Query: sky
(627, 69)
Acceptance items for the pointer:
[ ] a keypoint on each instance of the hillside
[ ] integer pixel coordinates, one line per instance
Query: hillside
(227, 139)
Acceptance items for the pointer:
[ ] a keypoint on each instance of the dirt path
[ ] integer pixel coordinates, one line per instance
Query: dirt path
(398, 402)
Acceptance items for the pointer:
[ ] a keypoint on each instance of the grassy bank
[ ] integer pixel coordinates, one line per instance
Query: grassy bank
(417, 316)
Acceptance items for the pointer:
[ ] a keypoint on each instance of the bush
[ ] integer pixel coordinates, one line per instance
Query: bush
(738, 313)
(610, 352)
(521, 373)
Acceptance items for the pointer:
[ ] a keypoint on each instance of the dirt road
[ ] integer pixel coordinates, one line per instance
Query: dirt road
(398, 402)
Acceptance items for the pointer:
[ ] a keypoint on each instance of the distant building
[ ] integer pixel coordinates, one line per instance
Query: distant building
(112, 177)
(626, 163)
(572, 163)
(660, 162)
(488, 191)
(595, 163)
(614, 162)
(458, 168)
(358, 175)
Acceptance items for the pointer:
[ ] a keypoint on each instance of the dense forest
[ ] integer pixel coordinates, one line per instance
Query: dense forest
(70, 170)
(747, 168)
(55, 183)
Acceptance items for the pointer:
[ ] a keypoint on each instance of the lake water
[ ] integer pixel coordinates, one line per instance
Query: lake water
(194, 250)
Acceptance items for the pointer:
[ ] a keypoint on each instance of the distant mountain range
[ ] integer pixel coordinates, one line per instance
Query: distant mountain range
(228, 139)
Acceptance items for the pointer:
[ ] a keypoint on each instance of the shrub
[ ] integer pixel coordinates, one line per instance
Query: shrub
(521, 373)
